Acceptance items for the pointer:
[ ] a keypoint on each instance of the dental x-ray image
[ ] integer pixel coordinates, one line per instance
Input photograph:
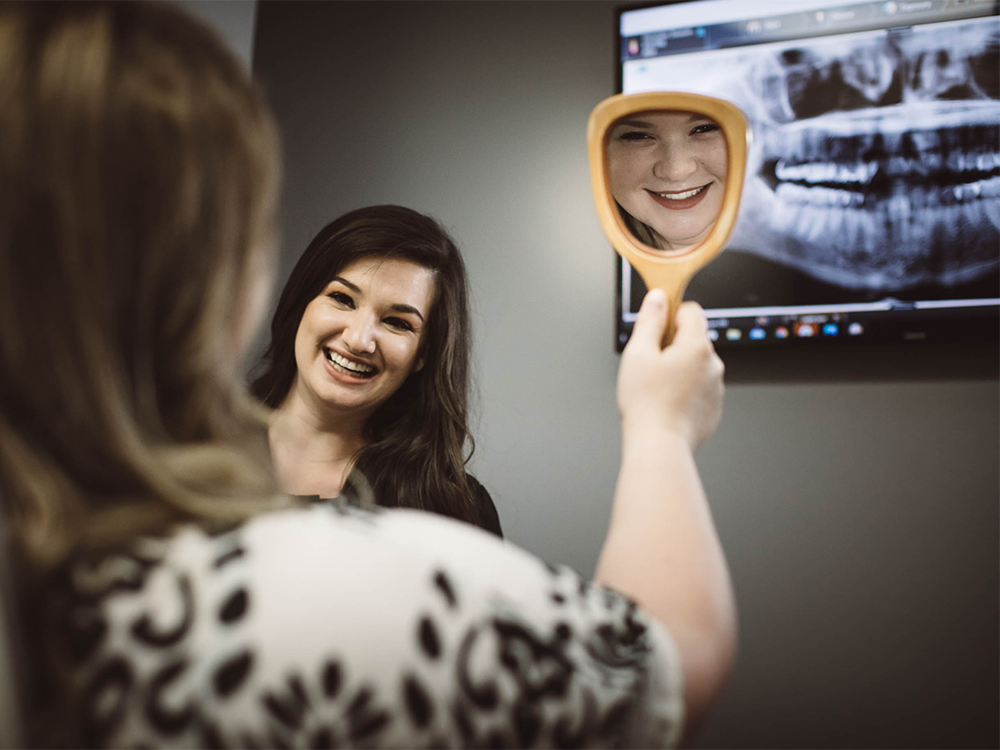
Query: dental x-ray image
(874, 172)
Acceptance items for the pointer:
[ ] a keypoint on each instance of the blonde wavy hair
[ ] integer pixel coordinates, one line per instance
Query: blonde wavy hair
(138, 188)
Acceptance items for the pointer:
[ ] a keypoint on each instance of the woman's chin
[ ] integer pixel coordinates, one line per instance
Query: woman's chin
(678, 242)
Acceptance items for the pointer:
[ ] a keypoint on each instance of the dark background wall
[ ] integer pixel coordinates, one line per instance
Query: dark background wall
(860, 518)
(233, 19)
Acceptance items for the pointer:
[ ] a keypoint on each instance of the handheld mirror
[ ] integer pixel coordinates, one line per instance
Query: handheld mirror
(667, 171)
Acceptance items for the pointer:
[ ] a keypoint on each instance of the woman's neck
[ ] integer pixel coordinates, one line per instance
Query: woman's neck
(313, 453)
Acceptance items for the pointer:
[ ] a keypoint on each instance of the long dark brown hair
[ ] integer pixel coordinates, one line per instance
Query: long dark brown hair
(640, 230)
(418, 441)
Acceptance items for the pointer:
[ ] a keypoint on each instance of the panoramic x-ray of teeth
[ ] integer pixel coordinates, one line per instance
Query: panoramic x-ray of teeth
(876, 158)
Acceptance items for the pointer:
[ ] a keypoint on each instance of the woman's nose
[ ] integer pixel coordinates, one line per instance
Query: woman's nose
(359, 335)
(674, 164)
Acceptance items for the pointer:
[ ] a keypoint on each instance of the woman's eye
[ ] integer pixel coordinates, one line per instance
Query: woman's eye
(708, 127)
(634, 135)
(341, 299)
(399, 324)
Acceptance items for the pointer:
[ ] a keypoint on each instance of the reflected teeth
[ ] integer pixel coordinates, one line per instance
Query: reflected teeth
(681, 196)
(342, 364)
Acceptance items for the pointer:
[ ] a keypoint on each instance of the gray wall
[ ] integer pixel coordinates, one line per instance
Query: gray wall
(860, 519)
(233, 19)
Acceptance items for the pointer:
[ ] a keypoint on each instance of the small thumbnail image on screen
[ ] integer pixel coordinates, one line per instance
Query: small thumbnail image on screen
(874, 170)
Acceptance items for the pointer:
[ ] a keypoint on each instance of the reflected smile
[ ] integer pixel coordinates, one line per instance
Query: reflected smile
(680, 199)
(679, 196)
(347, 366)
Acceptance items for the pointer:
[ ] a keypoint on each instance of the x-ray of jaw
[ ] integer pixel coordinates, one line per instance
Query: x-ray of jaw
(877, 158)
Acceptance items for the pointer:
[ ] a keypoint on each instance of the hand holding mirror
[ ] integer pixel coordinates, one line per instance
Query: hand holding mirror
(667, 171)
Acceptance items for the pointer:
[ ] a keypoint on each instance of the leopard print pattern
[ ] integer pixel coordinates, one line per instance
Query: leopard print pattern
(206, 640)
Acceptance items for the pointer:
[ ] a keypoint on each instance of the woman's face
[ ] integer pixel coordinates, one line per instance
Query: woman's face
(668, 169)
(360, 338)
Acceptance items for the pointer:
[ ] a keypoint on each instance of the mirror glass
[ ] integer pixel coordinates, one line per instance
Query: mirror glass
(667, 171)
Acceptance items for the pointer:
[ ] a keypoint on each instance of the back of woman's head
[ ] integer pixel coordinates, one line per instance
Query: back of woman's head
(138, 175)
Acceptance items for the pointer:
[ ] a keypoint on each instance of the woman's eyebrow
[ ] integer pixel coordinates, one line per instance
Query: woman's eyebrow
(407, 309)
(353, 287)
(633, 124)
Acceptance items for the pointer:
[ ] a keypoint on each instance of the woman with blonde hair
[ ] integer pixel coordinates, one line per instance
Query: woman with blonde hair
(171, 595)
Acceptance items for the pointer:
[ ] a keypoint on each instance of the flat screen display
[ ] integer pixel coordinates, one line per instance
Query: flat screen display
(871, 206)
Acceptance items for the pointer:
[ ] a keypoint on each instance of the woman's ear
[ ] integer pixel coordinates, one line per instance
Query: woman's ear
(420, 364)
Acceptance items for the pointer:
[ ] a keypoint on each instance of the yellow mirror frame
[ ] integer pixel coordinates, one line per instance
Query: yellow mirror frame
(667, 270)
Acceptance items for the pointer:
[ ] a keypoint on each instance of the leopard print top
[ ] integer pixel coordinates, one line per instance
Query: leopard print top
(331, 626)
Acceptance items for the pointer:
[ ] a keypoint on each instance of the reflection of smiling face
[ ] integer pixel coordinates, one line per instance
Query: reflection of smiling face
(668, 169)
(360, 338)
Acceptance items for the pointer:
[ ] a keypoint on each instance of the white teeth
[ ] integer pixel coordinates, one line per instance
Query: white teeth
(814, 172)
(682, 196)
(344, 364)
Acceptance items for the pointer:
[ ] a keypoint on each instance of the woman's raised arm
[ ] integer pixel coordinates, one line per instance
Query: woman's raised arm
(662, 548)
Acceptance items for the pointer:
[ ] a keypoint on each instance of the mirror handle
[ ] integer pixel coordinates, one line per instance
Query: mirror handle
(673, 279)
(675, 296)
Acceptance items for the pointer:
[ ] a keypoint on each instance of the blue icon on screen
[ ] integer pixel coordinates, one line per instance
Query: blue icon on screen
(757, 333)
(830, 329)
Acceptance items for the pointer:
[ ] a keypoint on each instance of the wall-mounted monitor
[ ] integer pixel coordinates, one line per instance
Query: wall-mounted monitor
(871, 207)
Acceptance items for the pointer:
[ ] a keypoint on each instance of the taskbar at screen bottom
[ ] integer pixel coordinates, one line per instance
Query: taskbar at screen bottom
(942, 326)
(980, 324)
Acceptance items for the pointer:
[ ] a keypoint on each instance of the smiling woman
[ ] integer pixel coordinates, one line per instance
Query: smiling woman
(367, 368)
(667, 172)
(359, 340)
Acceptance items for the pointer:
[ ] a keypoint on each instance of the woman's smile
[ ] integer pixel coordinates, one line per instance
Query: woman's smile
(350, 368)
(680, 199)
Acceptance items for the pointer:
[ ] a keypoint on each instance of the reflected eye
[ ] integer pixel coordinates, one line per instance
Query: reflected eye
(635, 135)
(399, 324)
(708, 127)
(341, 299)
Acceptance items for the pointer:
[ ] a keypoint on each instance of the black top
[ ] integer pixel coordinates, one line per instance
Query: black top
(490, 521)
(356, 486)
(487, 510)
